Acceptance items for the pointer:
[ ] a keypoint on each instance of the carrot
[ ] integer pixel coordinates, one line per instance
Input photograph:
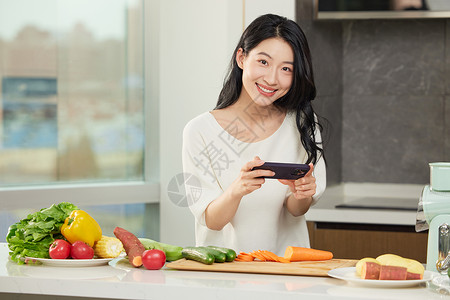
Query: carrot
(264, 254)
(283, 260)
(257, 255)
(244, 257)
(269, 255)
(275, 257)
(305, 254)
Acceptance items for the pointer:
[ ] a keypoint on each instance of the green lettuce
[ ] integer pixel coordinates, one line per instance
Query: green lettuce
(32, 236)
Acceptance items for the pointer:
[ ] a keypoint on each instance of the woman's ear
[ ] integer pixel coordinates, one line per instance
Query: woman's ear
(240, 58)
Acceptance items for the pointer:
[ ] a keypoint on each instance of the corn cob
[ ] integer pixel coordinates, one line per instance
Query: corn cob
(108, 247)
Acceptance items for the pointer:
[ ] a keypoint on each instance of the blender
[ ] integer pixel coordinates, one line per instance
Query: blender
(433, 213)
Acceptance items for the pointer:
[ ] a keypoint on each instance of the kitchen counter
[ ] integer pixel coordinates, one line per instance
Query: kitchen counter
(119, 280)
(386, 204)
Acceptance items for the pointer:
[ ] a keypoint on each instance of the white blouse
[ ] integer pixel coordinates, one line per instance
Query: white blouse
(213, 159)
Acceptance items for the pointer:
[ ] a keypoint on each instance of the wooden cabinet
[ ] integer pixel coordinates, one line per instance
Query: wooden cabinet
(355, 241)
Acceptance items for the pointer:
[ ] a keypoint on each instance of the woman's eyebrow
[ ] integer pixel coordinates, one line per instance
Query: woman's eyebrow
(266, 54)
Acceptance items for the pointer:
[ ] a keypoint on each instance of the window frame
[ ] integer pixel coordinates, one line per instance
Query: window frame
(115, 192)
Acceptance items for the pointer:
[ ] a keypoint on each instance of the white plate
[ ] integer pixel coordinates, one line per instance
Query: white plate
(73, 262)
(349, 274)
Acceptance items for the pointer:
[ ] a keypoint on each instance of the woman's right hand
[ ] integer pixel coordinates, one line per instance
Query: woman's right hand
(249, 180)
(221, 210)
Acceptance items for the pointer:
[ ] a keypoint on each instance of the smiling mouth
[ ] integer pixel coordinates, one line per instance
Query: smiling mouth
(266, 90)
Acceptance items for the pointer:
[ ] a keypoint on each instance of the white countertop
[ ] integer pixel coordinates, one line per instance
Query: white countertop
(325, 210)
(119, 280)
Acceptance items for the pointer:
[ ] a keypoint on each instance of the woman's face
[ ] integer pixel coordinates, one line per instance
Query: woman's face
(267, 70)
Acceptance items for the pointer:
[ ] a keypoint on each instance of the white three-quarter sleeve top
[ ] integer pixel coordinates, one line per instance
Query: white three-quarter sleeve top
(214, 158)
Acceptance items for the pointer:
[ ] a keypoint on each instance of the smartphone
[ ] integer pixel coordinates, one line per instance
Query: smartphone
(285, 170)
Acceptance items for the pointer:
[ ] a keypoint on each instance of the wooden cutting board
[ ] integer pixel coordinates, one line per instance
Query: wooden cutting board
(304, 268)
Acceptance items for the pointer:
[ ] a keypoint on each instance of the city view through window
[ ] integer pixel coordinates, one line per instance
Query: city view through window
(71, 91)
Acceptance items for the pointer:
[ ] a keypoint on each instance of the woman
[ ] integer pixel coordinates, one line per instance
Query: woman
(264, 112)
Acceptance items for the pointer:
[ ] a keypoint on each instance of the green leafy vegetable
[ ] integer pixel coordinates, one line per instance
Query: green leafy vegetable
(32, 236)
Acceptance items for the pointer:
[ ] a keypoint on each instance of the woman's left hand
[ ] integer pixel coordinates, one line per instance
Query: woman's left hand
(302, 188)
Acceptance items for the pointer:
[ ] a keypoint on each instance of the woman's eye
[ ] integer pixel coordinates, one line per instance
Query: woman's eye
(287, 69)
(264, 62)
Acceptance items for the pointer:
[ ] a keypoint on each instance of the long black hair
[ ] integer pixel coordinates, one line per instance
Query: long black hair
(302, 92)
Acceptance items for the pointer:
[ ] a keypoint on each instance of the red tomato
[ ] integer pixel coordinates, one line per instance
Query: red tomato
(81, 250)
(59, 249)
(153, 259)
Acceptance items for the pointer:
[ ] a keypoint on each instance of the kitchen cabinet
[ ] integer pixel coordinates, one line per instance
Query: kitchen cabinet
(355, 241)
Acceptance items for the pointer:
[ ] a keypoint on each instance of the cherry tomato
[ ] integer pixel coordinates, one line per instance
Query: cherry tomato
(153, 259)
(59, 249)
(81, 250)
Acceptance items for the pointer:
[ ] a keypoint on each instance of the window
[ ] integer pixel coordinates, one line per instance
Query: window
(73, 110)
(29, 113)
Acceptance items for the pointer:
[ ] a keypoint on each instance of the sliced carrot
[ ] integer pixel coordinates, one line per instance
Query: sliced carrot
(277, 258)
(245, 258)
(245, 254)
(306, 254)
(242, 256)
(265, 255)
(283, 260)
(258, 255)
(270, 255)
(274, 257)
(262, 255)
(240, 259)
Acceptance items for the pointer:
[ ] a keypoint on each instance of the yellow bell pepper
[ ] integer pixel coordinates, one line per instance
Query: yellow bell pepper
(80, 226)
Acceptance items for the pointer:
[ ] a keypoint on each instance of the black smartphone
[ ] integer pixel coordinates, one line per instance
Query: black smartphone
(285, 170)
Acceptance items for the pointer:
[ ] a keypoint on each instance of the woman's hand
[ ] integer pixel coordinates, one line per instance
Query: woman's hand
(222, 209)
(303, 189)
(248, 180)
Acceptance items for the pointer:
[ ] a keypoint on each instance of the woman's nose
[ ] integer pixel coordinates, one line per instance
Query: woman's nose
(271, 76)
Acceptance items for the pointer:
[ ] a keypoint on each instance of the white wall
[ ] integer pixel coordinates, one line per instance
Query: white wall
(256, 8)
(196, 40)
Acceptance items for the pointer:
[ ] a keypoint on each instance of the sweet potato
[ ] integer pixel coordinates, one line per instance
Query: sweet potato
(132, 245)
(415, 269)
(413, 276)
(370, 270)
(360, 263)
(392, 273)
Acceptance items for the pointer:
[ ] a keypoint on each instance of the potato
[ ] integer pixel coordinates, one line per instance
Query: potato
(392, 260)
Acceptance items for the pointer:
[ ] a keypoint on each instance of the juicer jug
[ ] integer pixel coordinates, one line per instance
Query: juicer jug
(433, 213)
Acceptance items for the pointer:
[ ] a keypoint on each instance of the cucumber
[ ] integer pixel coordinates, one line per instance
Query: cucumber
(229, 253)
(172, 252)
(150, 244)
(198, 254)
(219, 256)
